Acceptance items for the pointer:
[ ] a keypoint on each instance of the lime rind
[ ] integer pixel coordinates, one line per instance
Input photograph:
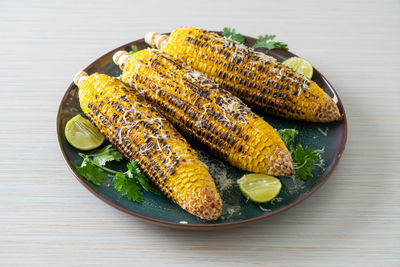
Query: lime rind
(82, 134)
(259, 188)
(300, 65)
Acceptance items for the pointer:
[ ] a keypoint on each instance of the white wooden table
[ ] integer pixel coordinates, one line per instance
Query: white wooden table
(48, 219)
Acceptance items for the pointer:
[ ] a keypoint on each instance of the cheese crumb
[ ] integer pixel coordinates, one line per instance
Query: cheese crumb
(324, 133)
(217, 170)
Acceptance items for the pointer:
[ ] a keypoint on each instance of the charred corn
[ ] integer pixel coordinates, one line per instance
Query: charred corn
(210, 115)
(142, 134)
(253, 76)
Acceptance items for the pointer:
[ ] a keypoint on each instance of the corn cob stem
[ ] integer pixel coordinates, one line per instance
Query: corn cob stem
(142, 134)
(156, 40)
(120, 58)
(209, 115)
(80, 77)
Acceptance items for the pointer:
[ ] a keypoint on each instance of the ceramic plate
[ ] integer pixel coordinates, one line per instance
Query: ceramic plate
(237, 210)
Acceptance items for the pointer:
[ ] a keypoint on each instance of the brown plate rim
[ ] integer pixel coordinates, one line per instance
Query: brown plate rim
(197, 226)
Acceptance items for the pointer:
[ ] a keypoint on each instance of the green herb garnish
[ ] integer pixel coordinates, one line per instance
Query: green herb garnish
(267, 41)
(231, 34)
(303, 159)
(134, 49)
(144, 182)
(91, 172)
(288, 136)
(128, 187)
(129, 183)
(106, 154)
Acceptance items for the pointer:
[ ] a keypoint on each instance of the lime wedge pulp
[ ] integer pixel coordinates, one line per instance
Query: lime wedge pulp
(300, 65)
(82, 134)
(259, 187)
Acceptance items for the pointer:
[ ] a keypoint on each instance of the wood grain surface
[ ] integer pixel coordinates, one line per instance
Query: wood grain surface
(48, 219)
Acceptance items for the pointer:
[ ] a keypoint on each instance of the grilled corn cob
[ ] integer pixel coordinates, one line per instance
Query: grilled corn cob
(253, 76)
(143, 135)
(206, 113)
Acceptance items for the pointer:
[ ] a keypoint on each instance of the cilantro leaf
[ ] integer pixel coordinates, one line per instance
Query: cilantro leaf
(129, 183)
(133, 167)
(231, 34)
(143, 180)
(91, 172)
(303, 159)
(266, 41)
(127, 187)
(134, 49)
(288, 136)
(106, 154)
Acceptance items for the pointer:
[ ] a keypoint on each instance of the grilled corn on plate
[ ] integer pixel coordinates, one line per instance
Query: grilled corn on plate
(253, 76)
(142, 134)
(206, 113)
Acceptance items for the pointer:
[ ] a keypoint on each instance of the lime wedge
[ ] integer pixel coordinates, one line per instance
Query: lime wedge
(259, 187)
(82, 134)
(300, 65)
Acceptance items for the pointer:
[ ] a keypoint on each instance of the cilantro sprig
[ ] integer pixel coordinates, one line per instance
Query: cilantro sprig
(303, 159)
(129, 183)
(128, 187)
(91, 172)
(134, 49)
(265, 41)
(231, 34)
(144, 182)
(106, 154)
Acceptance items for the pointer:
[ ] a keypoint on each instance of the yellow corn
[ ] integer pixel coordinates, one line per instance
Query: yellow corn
(253, 76)
(142, 134)
(206, 113)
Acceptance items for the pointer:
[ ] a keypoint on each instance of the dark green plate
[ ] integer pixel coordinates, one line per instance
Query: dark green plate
(237, 210)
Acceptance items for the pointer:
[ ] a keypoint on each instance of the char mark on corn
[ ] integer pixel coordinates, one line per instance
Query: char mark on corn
(209, 115)
(256, 78)
(133, 126)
